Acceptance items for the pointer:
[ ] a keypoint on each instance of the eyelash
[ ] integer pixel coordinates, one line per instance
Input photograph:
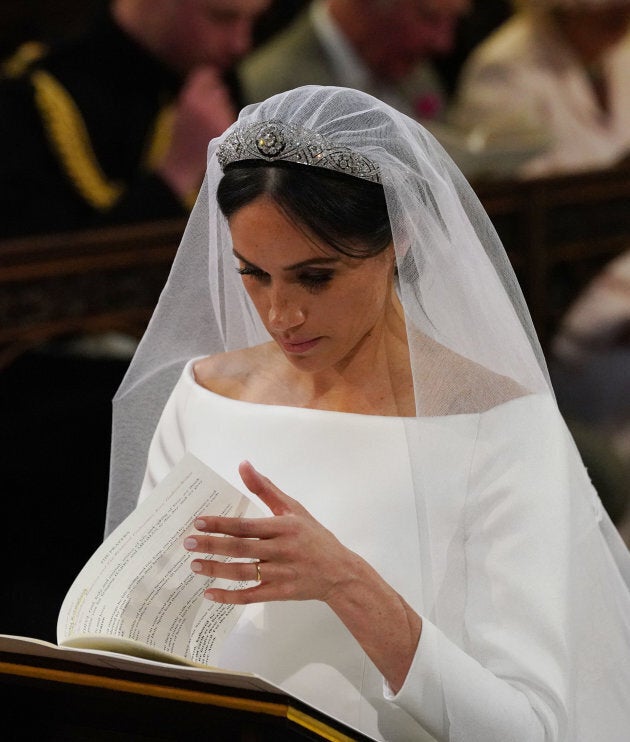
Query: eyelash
(310, 281)
(254, 272)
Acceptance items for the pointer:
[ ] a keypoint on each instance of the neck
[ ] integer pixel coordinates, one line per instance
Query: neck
(374, 378)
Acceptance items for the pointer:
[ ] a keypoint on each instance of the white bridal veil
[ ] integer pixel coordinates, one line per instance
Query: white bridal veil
(471, 339)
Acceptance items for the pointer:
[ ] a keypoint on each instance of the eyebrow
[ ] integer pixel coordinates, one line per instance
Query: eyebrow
(295, 266)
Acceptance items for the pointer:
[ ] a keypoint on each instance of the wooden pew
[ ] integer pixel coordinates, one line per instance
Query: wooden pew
(82, 282)
(559, 232)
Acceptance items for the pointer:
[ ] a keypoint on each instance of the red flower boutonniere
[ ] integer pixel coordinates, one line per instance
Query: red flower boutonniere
(428, 106)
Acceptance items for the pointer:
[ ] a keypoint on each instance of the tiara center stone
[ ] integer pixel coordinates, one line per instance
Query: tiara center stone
(270, 141)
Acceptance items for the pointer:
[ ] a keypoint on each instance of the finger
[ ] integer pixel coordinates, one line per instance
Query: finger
(236, 571)
(274, 586)
(222, 546)
(252, 528)
(236, 597)
(260, 593)
(265, 489)
(263, 549)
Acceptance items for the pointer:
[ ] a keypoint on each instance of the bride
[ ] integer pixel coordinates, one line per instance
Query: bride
(342, 337)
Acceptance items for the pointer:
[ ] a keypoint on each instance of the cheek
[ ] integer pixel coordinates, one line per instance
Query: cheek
(257, 295)
(361, 304)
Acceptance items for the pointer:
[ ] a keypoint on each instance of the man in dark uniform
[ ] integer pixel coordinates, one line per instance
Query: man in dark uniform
(110, 128)
(113, 126)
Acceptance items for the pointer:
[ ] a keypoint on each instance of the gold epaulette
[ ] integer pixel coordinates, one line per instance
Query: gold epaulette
(69, 136)
(22, 57)
(160, 138)
(160, 141)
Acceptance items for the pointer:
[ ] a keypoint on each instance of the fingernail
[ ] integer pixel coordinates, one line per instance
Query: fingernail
(190, 543)
(200, 524)
(195, 566)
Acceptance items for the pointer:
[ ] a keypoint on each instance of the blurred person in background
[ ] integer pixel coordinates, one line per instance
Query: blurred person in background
(112, 126)
(477, 23)
(590, 367)
(556, 71)
(382, 47)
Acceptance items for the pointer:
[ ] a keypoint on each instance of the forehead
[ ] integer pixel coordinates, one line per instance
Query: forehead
(262, 226)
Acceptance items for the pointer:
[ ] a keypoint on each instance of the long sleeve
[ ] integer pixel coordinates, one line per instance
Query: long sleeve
(510, 679)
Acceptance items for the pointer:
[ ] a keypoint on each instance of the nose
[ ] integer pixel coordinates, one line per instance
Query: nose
(285, 313)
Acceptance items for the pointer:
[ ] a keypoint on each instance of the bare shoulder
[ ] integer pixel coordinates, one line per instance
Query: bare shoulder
(232, 373)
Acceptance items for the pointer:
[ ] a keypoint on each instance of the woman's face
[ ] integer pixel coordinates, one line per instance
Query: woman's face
(321, 307)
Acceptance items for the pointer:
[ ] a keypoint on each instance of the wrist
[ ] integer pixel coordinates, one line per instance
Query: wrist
(379, 618)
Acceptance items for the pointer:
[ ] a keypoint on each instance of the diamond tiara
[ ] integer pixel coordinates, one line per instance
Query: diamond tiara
(274, 140)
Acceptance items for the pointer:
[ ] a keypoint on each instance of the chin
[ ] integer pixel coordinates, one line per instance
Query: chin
(307, 363)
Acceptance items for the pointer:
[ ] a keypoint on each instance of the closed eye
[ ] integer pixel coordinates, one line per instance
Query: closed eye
(256, 273)
(315, 279)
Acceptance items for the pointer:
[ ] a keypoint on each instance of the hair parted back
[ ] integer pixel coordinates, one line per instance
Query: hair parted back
(346, 213)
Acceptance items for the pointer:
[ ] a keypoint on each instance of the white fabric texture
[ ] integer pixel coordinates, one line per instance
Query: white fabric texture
(524, 79)
(304, 648)
(519, 575)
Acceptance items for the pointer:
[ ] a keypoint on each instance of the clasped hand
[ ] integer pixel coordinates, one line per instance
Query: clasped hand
(297, 558)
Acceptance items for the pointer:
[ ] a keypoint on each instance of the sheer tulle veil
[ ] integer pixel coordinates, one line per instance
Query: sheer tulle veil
(464, 311)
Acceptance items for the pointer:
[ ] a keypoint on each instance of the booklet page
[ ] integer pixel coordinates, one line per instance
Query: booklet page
(138, 585)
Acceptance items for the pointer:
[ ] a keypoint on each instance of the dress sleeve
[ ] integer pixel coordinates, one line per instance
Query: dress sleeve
(168, 444)
(509, 680)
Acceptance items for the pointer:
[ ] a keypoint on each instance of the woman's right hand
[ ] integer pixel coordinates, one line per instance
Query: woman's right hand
(299, 559)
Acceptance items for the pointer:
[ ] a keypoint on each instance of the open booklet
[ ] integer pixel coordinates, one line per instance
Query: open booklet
(137, 595)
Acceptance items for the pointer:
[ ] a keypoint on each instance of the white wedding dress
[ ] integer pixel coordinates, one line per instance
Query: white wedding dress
(351, 472)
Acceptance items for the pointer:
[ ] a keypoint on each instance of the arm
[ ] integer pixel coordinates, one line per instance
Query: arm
(511, 677)
(167, 189)
(204, 110)
(499, 100)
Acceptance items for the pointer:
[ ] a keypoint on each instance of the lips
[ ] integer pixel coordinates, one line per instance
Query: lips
(298, 346)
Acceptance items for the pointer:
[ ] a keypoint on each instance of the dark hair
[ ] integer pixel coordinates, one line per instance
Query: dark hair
(345, 212)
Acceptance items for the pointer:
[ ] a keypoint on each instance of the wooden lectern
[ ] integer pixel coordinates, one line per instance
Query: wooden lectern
(53, 693)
